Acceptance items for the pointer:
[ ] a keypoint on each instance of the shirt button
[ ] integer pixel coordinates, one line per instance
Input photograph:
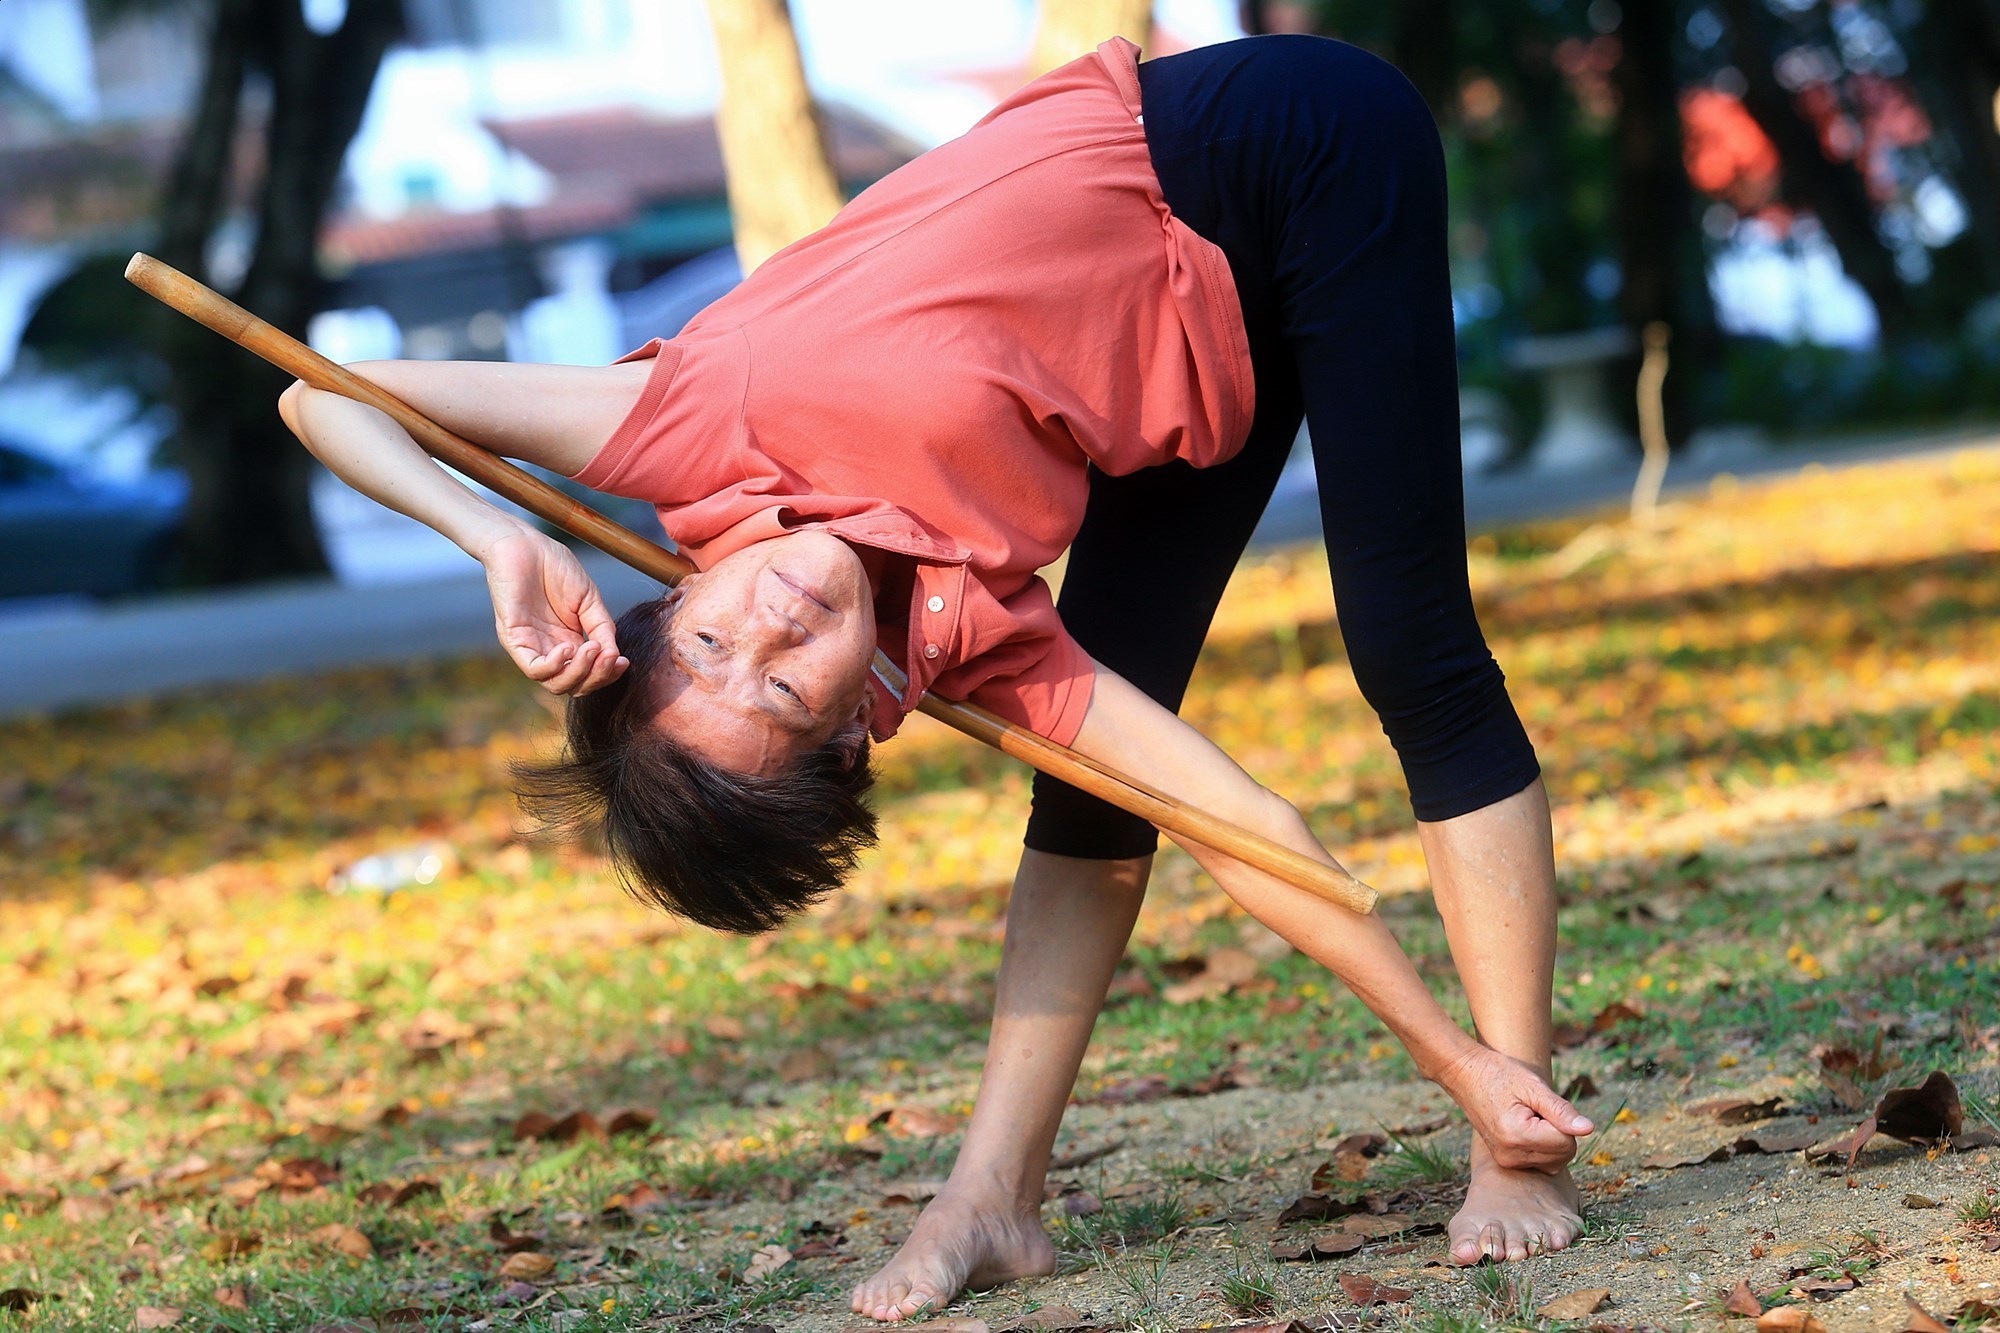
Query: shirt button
(930, 650)
(935, 603)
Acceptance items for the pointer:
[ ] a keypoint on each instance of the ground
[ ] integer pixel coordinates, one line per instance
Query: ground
(243, 1087)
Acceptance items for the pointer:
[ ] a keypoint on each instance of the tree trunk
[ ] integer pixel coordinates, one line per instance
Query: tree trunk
(1807, 178)
(249, 503)
(1661, 254)
(1072, 28)
(781, 179)
(1957, 73)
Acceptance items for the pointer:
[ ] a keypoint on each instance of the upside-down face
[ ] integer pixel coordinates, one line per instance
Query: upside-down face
(767, 653)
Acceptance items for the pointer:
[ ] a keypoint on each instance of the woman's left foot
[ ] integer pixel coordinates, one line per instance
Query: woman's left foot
(1513, 1214)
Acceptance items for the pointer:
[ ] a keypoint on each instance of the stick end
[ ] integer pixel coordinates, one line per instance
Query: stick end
(138, 264)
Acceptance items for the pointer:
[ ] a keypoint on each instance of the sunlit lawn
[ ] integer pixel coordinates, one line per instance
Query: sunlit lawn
(206, 1056)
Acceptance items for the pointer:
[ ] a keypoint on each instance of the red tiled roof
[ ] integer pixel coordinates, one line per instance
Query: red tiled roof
(351, 240)
(660, 158)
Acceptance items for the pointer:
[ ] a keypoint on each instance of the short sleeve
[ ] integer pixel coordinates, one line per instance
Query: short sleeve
(1036, 676)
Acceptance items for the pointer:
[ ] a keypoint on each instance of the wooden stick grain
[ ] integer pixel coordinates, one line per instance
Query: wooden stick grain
(217, 312)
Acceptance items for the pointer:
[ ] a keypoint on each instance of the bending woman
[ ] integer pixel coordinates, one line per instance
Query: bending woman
(1098, 316)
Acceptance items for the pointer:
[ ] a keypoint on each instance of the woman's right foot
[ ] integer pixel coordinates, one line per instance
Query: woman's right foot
(959, 1242)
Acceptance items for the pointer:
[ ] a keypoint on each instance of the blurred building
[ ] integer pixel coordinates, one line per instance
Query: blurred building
(524, 166)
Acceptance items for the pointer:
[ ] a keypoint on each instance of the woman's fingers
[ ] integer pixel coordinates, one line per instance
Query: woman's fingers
(1545, 1102)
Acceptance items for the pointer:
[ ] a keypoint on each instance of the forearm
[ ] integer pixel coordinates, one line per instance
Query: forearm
(1128, 731)
(370, 452)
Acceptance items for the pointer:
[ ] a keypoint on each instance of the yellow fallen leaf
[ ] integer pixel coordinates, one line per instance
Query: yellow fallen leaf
(348, 1240)
(527, 1266)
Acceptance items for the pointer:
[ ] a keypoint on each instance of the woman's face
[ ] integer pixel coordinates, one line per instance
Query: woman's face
(767, 652)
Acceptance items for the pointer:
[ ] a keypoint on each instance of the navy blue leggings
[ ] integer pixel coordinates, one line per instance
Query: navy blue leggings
(1317, 170)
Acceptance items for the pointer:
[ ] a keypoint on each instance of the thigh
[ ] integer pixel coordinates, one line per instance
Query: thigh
(1144, 576)
(557, 417)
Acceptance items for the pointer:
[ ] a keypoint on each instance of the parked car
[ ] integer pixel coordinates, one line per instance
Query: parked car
(63, 531)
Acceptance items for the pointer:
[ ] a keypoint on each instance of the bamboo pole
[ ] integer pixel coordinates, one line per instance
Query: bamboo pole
(233, 322)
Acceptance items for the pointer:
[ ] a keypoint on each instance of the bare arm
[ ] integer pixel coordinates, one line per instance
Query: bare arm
(1508, 1102)
(547, 613)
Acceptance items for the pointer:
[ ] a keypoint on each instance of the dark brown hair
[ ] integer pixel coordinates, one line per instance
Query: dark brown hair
(731, 851)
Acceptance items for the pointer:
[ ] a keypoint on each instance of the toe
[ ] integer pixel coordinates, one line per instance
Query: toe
(1493, 1241)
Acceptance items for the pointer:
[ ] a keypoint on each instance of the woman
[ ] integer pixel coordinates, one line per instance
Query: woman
(1099, 315)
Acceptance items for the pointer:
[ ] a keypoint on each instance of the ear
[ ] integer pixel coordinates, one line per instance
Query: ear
(852, 743)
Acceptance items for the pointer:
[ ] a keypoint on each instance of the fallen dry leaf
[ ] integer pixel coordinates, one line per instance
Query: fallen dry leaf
(1323, 1245)
(725, 1027)
(1668, 1161)
(1928, 1113)
(1743, 1301)
(1916, 1319)
(527, 1266)
(1221, 972)
(1919, 1201)
(1789, 1319)
(1737, 1110)
(1318, 1207)
(918, 1122)
(1364, 1290)
(1577, 1304)
(510, 1241)
(764, 1261)
(1371, 1226)
(346, 1239)
(233, 1298)
(395, 1196)
(1578, 1088)
(227, 1245)
(157, 1316)
(1775, 1141)
(85, 1208)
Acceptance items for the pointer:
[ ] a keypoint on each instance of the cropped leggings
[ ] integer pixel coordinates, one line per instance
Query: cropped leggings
(1316, 168)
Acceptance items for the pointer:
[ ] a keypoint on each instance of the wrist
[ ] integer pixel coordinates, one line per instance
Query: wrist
(479, 537)
(1442, 1061)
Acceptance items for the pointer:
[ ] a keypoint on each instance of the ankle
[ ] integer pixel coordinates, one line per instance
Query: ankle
(1000, 1188)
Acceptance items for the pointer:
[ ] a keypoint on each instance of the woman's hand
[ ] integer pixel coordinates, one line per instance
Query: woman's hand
(550, 617)
(1512, 1107)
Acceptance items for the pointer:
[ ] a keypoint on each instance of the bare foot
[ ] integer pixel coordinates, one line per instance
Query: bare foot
(1513, 1214)
(959, 1242)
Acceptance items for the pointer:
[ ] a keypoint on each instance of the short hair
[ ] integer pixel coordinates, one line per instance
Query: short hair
(731, 851)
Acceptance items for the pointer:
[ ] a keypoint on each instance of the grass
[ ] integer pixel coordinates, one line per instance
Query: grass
(1770, 741)
(1415, 1163)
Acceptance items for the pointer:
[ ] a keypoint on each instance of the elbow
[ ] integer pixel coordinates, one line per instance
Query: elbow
(1272, 816)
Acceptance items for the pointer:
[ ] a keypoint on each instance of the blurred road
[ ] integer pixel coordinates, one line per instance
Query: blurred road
(52, 655)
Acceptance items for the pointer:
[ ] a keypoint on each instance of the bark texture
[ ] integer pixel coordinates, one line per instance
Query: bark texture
(781, 179)
(1072, 28)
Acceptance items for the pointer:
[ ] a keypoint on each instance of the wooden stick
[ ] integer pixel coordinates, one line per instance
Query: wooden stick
(217, 312)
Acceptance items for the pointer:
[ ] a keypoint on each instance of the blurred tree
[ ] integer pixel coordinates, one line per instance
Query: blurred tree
(1072, 28)
(277, 103)
(1955, 66)
(781, 179)
(249, 507)
(1662, 254)
(1834, 192)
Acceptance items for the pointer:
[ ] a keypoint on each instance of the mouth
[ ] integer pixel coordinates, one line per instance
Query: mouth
(804, 591)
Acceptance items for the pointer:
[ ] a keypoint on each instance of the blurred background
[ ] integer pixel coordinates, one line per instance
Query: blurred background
(1803, 194)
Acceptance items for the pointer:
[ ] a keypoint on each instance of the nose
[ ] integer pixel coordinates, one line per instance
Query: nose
(781, 630)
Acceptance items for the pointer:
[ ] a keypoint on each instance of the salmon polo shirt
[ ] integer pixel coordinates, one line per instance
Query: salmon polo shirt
(933, 373)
